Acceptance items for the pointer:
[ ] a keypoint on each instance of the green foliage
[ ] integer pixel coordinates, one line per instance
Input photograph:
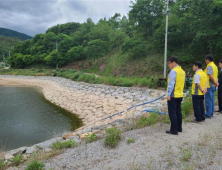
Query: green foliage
(1, 163)
(130, 140)
(63, 145)
(96, 48)
(35, 165)
(151, 120)
(17, 160)
(91, 138)
(187, 106)
(67, 29)
(113, 136)
(77, 53)
(136, 47)
(194, 30)
(186, 154)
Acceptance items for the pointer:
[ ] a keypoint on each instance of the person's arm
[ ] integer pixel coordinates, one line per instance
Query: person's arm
(212, 79)
(202, 90)
(172, 79)
(210, 74)
(197, 82)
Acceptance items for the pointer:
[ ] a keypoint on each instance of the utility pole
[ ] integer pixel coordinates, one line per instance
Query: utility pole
(57, 55)
(165, 51)
(3, 58)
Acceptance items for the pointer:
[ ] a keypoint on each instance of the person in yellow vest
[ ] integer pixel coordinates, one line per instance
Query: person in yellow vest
(199, 87)
(176, 80)
(212, 73)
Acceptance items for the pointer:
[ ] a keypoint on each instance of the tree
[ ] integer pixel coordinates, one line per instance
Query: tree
(96, 48)
(55, 58)
(76, 53)
(116, 39)
(146, 15)
(135, 47)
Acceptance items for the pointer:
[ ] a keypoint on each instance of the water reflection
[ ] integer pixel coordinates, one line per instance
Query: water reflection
(26, 118)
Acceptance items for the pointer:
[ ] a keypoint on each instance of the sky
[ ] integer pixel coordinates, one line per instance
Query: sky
(36, 16)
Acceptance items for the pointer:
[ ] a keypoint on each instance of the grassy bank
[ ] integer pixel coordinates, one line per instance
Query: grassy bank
(149, 81)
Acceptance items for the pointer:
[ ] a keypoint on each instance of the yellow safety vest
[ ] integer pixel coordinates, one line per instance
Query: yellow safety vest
(203, 82)
(215, 72)
(179, 84)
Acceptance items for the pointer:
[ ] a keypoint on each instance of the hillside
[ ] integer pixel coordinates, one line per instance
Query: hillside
(130, 45)
(6, 44)
(10, 33)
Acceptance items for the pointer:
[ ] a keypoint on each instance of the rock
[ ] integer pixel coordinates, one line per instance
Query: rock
(8, 156)
(31, 150)
(18, 151)
(66, 136)
(84, 135)
(75, 138)
(47, 150)
(48, 143)
(26, 157)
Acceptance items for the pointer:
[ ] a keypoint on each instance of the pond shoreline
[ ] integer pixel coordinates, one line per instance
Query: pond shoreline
(91, 102)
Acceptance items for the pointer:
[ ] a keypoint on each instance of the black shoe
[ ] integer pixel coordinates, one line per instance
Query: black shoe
(219, 111)
(180, 130)
(171, 132)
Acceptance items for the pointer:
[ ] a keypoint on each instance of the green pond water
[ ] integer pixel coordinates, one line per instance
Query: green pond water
(27, 118)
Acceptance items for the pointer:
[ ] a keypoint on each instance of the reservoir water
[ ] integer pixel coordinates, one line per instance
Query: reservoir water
(27, 118)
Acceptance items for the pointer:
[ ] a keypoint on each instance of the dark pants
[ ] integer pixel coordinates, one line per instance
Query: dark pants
(198, 107)
(220, 97)
(174, 110)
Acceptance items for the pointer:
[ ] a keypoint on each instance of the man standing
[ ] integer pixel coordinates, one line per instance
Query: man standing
(176, 80)
(198, 90)
(212, 72)
(220, 88)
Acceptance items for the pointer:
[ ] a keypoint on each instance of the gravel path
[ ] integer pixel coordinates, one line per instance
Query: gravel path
(153, 149)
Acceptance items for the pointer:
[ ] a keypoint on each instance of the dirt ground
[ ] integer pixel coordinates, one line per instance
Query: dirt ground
(199, 146)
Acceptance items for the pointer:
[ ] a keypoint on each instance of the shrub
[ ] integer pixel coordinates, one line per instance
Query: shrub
(35, 165)
(17, 160)
(113, 136)
(91, 138)
(65, 144)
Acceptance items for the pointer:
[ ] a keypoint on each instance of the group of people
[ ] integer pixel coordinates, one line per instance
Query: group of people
(204, 86)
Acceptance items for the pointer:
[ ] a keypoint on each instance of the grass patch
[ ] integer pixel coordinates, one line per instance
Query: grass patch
(187, 106)
(150, 120)
(130, 140)
(35, 165)
(91, 138)
(186, 154)
(113, 136)
(75, 75)
(17, 160)
(63, 145)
